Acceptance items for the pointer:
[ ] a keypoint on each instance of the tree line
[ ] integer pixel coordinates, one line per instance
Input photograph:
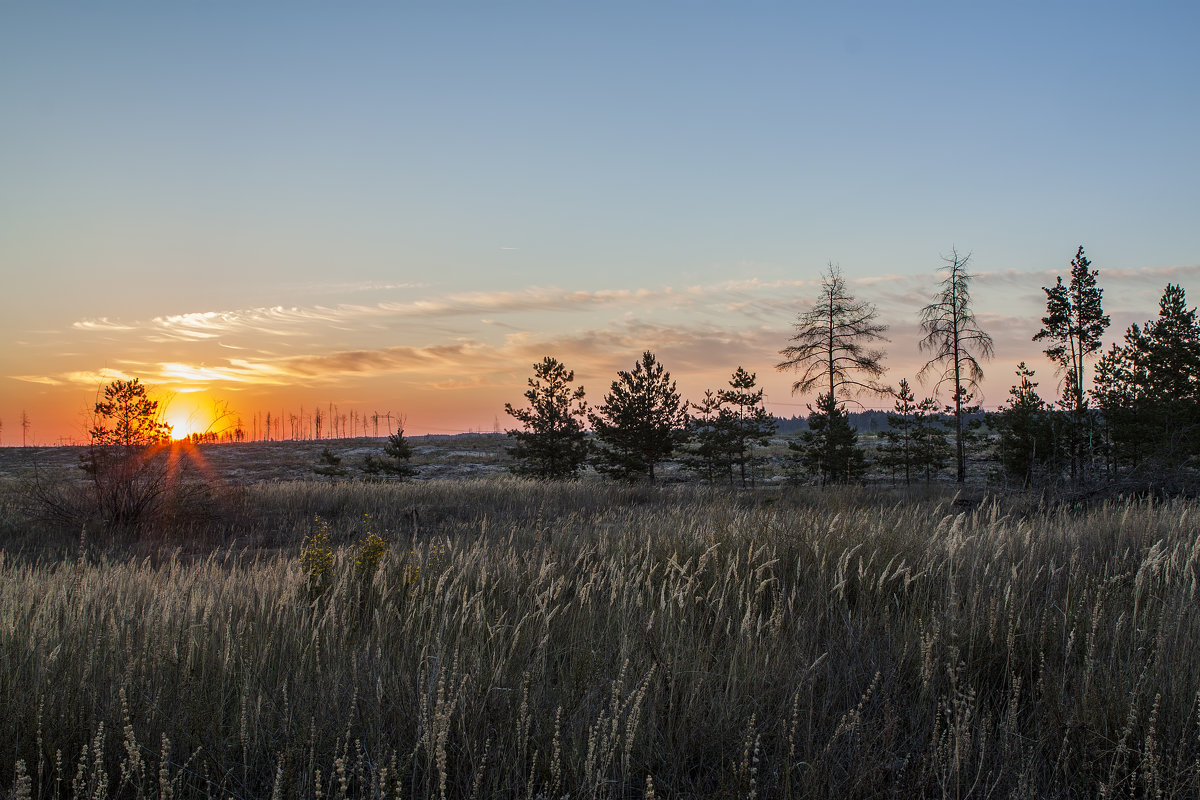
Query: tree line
(1139, 420)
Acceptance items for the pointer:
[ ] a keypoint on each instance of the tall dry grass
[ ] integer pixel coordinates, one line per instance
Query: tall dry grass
(523, 640)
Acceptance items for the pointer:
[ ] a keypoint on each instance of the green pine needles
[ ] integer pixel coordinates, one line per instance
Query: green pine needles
(552, 443)
(642, 423)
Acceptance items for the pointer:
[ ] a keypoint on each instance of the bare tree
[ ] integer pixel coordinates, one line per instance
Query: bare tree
(833, 342)
(955, 342)
(25, 423)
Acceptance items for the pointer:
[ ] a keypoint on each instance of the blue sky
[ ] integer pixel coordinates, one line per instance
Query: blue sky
(442, 192)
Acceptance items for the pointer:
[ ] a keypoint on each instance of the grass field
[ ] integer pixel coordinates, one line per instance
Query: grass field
(597, 640)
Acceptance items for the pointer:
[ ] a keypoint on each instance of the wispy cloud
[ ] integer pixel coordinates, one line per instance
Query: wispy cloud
(492, 336)
(93, 377)
(689, 347)
(315, 367)
(102, 324)
(1146, 278)
(291, 321)
(46, 380)
(734, 295)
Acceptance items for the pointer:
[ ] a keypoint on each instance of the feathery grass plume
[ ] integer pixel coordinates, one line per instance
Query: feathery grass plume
(165, 788)
(22, 787)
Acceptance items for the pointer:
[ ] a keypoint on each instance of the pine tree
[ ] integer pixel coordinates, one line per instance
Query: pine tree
(329, 465)
(1075, 322)
(1149, 388)
(932, 450)
(398, 451)
(397, 447)
(1025, 436)
(898, 452)
(832, 343)
(127, 418)
(129, 480)
(1121, 383)
(552, 444)
(956, 342)
(730, 425)
(747, 420)
(707, 454)
(829, 448)
(642, 422)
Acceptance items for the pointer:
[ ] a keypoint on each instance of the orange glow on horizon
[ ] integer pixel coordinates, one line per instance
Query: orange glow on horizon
(187, 415)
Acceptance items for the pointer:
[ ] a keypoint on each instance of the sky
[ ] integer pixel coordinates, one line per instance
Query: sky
(400, 208)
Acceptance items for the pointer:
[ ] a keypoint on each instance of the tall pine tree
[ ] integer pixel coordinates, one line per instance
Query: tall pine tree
(1074, 324)
(833, 349)
(552, 443)
(1149, 388)
(642, 422)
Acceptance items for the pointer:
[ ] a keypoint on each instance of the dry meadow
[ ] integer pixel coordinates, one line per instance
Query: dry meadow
(499, 638)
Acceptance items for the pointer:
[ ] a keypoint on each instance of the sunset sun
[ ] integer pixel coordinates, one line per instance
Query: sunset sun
(187, 417)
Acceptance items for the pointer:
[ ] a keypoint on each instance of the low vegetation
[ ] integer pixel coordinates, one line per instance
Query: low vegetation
(168, 632)
(504, 638)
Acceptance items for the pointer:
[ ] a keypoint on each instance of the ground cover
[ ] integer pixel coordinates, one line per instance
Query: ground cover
(521, 639)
